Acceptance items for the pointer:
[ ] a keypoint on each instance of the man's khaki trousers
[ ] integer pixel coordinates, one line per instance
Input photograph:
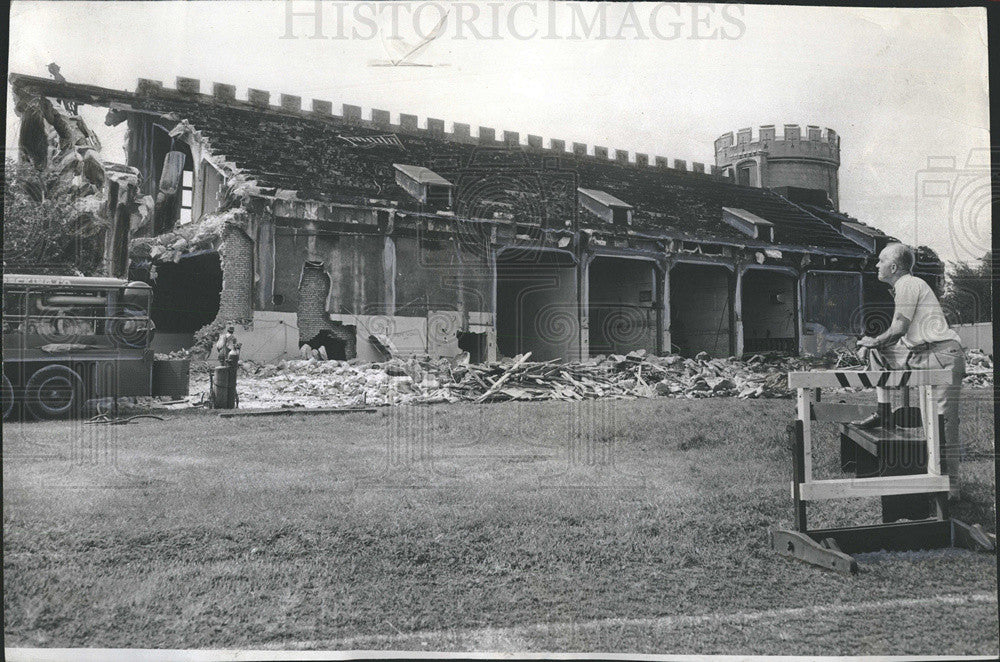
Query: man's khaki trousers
(946, 355)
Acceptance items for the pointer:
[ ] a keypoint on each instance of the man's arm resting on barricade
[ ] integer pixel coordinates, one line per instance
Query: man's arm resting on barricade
(900, 325)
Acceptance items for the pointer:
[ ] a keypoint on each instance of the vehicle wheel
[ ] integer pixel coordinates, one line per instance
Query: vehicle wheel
(8, 397)
(55, 391)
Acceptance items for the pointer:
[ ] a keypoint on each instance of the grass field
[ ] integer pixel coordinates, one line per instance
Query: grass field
(625, 526)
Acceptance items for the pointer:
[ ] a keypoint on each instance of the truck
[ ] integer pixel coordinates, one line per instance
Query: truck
(70, 339)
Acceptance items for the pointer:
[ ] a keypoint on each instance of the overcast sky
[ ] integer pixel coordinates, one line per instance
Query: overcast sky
(898, 85)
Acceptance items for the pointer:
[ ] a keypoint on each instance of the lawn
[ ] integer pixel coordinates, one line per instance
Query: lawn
(620, 525)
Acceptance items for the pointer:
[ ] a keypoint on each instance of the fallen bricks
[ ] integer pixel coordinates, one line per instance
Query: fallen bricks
(424, 380)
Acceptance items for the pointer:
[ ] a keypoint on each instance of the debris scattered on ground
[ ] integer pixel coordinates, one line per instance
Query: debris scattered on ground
(978, 369)
(175, 355)
(315, 383)
(284, 411)
(107, 420)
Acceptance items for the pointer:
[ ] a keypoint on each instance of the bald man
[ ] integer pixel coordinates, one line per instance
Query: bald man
(919, 338)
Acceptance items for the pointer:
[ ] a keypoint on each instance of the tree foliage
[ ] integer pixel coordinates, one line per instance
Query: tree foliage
(969, 297)
(47, 229)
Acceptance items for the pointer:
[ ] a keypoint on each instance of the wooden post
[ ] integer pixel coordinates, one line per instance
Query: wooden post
(932, 426)
(943, 442)
(806, 396)
(798, 473)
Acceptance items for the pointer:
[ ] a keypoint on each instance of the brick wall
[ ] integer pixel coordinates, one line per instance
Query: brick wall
(236, 253)
(312, 314)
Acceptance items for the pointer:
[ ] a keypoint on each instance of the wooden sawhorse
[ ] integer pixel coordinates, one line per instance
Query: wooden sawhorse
(831, 548)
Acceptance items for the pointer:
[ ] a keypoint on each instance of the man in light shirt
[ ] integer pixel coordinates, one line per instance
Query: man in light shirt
(920, 338)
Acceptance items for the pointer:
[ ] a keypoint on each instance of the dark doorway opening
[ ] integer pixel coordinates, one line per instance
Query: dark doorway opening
(335, 347)
(623, 306)
(474, 344)
(537, 305)
(186, 293)
(701, 310)
(769, 312)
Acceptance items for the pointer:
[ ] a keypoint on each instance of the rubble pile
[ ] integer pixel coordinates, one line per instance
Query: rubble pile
(422, 380)
(978, 369)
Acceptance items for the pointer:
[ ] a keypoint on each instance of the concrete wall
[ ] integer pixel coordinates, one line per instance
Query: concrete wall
(976, 336)
(272, 337)
(407, 286)
(354, 264)
(395, 285)
(408, 334)
(290, 252)
(802, 174)
(440, 274)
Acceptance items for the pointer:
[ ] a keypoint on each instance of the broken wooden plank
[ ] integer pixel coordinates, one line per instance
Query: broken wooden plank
(297, 410)
(521, 359)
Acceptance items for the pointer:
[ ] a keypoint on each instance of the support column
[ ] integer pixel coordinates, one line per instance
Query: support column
(800, 296)
(236, 252)
(491, 256)
(738, 312)
(389, 276)
(664, 296)
(583, 289)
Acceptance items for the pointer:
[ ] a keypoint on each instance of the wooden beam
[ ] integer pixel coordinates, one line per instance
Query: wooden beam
(802, 546)
(896, 537)
(972, 537)
(875, 436)
(805, 399)
(930, 416)
(852, 488)
(798, 475)
(506, 375)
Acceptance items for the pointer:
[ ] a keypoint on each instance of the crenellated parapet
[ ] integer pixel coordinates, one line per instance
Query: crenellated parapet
(787, 157)
(287, 104)
(788, 142)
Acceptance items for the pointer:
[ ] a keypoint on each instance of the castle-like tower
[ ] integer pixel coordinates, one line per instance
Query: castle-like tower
(809, 162)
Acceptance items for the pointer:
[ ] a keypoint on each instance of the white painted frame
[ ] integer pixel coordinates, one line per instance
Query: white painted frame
(809, 384)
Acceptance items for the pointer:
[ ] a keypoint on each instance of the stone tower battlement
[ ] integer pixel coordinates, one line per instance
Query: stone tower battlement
(808, 160)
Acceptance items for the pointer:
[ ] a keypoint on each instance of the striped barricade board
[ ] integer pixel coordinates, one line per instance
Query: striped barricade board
(868, 378)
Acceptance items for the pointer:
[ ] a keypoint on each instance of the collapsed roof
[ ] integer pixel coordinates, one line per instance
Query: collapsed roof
(314, 155)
